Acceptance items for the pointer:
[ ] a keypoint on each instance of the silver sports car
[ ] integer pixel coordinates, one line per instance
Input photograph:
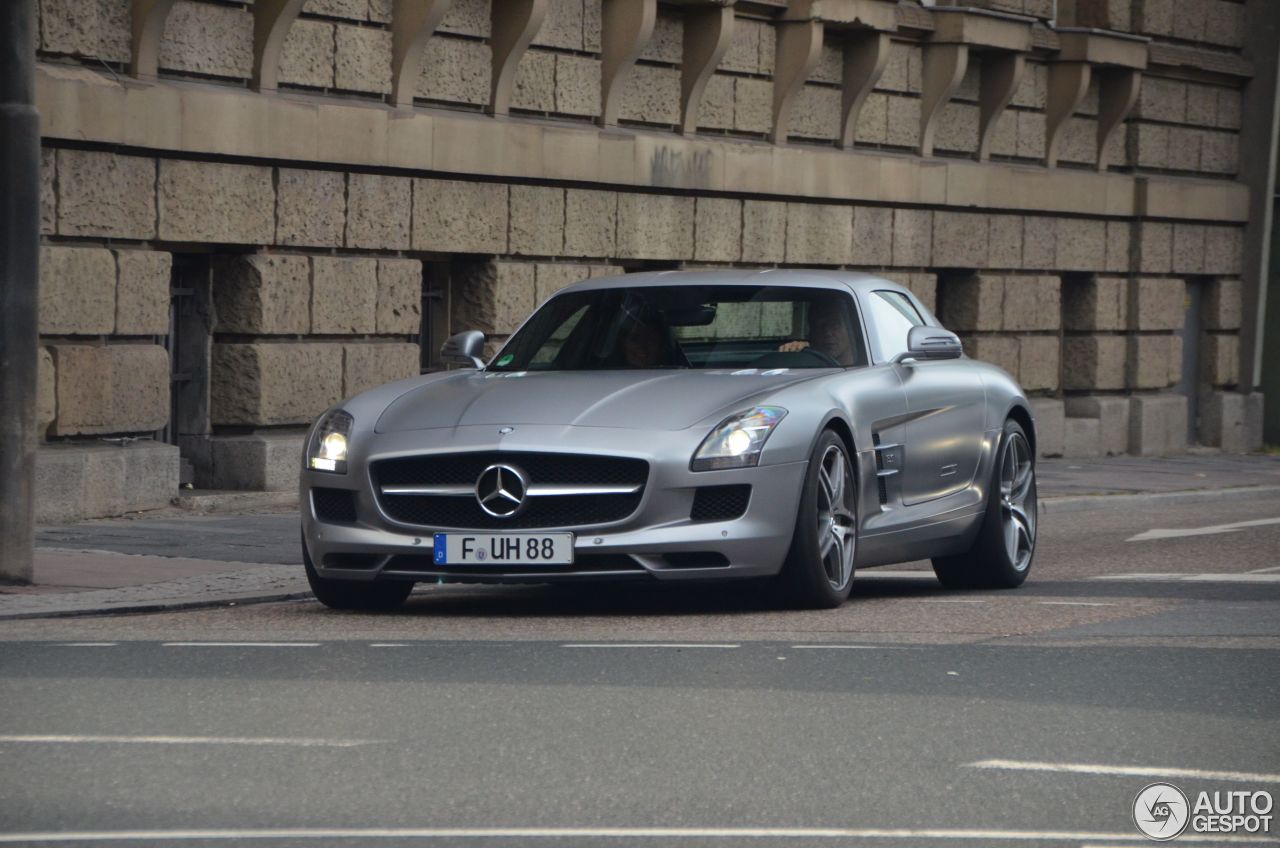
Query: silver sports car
(784, 424)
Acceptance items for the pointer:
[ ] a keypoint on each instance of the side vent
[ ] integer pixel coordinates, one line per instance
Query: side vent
(888, 463)
(884, 494)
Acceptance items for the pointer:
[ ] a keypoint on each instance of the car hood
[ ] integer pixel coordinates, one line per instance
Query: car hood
(654, 400)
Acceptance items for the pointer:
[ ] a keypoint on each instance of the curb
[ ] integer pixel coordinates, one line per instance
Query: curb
(159, 606)
(218, 503)
(1084, 503)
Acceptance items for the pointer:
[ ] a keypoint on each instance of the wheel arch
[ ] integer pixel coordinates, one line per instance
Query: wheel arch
(1023, 416)
(842, 429)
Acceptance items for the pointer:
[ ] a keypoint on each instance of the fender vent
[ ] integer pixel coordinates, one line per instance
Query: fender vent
(881, 488)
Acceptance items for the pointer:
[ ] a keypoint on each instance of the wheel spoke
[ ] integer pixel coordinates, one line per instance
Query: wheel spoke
(1022, 483)
(837, 480)
(835, 570)
(825, 540)
(1024, 539)
(824, 485)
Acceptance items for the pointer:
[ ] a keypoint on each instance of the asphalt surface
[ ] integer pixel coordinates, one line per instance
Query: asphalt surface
(671, 716)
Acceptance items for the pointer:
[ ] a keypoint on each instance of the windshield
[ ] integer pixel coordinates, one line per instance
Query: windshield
(688, 327)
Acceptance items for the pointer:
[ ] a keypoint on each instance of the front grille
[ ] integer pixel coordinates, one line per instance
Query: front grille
(463, 512)
(334, 505)
(720, 503)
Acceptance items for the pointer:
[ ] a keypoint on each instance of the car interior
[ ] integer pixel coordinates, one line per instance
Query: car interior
(689, 327)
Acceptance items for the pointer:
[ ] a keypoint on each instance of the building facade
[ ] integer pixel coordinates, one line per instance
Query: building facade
(254, 209)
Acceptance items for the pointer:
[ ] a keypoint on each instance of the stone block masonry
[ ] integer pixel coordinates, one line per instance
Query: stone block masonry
(118, 388)
(262, 383)
(329, 220)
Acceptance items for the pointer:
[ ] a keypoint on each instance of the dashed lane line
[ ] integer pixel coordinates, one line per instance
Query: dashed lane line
(1178, 577)
(856, 647)
(102, 739)
(666, 834)
(1126, 770)
(675, 645)
(240, 644)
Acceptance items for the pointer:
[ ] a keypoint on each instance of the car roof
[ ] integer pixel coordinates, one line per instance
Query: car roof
(804, 277)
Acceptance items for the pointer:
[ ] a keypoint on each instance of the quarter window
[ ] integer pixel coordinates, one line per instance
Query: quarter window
(892, 317)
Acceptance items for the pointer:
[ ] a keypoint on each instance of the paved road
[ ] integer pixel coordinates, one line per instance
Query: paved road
(502, 716)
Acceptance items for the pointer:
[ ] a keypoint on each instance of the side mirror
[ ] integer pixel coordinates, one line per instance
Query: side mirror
(931, 343)
(464, 349)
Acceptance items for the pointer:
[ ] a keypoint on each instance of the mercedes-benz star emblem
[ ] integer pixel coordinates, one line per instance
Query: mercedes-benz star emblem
(501, 491)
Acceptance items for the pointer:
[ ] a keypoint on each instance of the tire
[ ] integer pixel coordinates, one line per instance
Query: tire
(351, 595)
(818, 572)
(1001, 556)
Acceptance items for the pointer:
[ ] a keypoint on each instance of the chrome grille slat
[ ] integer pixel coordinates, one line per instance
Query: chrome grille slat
(565, 491)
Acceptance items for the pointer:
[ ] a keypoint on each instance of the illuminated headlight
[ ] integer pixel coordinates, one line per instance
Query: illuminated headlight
(327, 450)
(738, 440)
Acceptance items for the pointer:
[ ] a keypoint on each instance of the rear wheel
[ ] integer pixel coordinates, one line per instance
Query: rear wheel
(1001, 556)
(350, 595)
(818, 573)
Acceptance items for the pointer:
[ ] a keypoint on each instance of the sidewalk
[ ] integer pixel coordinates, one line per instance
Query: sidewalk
(130, 564)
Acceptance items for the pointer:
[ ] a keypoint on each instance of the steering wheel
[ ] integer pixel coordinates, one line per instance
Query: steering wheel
(796, 359)
(820, 356)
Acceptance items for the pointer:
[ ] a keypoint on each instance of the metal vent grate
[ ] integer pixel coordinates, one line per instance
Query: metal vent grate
(720, 503)
(334, 505)
(881, 488)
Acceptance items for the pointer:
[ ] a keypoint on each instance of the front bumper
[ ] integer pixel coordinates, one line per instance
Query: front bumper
(656, 541)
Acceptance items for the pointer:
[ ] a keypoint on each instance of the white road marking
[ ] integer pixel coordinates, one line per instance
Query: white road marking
(1132, 771)
(1265, 570)
(1075, 603)
(389, 645)
(1247, 577)
(900, 575)
(240, 644)
(855, 647)
(72, 739)
(647, 645)
(87, 644)
(663, 833)
(1234, 527)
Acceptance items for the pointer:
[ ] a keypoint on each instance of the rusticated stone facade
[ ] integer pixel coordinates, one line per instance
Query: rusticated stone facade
(252, 211)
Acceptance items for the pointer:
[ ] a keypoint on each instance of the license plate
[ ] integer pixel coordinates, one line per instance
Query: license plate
(504, 549)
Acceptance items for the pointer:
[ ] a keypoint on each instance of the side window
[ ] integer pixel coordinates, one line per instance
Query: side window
(830, 326)
(892, 317)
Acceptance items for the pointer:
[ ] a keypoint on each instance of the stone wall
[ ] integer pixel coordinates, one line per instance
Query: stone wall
(317, 244)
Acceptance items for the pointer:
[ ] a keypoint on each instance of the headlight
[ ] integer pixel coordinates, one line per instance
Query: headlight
(738, 440)
(327, 450)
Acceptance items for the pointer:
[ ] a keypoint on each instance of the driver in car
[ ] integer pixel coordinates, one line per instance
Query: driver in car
(827, 334)
(643, 345)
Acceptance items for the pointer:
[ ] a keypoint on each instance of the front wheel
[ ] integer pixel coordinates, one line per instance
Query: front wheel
(350, 595)
(1001, 556)
(818, 573)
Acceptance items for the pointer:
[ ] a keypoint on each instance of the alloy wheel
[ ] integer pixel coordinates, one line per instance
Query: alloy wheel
(1017, 501)
(837, 530)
